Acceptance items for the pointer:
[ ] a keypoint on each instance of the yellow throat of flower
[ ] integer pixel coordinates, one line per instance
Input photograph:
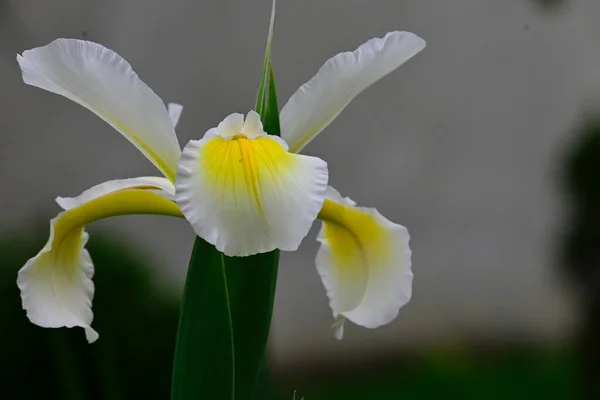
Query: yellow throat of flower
(355, 236)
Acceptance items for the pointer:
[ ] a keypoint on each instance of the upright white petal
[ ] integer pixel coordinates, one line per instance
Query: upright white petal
(340, 79)
(175, 111)
(103, 82)
(364, 263)
(230, 126)
(56, 285)
(253, 128)
(244, 193)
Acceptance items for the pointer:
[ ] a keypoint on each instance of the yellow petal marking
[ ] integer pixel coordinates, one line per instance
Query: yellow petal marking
(358, 243)
(169, 169)
(354, 234)
(245, 169)
(67, 241)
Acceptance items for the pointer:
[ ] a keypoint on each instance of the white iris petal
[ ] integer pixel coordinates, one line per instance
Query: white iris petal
(244, 193)
(365, 263)
(103, 82)
(56, 285)
(319, 101)
(175, 111)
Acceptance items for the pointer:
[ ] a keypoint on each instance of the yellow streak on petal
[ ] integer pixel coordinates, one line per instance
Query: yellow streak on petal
(244, 170)
(357, 240)
(167, 168)
(67, 241)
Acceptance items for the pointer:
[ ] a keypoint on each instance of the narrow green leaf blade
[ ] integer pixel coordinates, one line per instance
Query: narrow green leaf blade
(261, 97)
(271, 118)
(204, 353)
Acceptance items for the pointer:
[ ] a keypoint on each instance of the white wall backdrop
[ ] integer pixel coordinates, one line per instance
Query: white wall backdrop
(462, 144)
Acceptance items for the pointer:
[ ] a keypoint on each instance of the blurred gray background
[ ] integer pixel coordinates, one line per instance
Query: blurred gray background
(461, 144)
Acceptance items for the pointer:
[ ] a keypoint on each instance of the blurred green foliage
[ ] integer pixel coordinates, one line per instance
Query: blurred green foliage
(509, 373)
(136, 321)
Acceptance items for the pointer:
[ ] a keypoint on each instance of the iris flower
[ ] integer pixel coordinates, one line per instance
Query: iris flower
(241, 190)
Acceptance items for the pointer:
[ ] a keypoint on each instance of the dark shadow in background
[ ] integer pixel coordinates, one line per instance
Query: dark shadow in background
(581, 252)
(551, 5)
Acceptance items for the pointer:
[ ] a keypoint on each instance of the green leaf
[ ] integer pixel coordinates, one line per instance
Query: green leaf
(251, 282)
(261, 98)
(204, 353)
(271, 118)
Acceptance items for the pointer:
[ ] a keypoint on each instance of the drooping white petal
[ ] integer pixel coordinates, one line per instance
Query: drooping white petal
(174, 113)
(146, 182)
(249, 195)
(364, 263)
(103, 82)
(56, 285)
(319, 101)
